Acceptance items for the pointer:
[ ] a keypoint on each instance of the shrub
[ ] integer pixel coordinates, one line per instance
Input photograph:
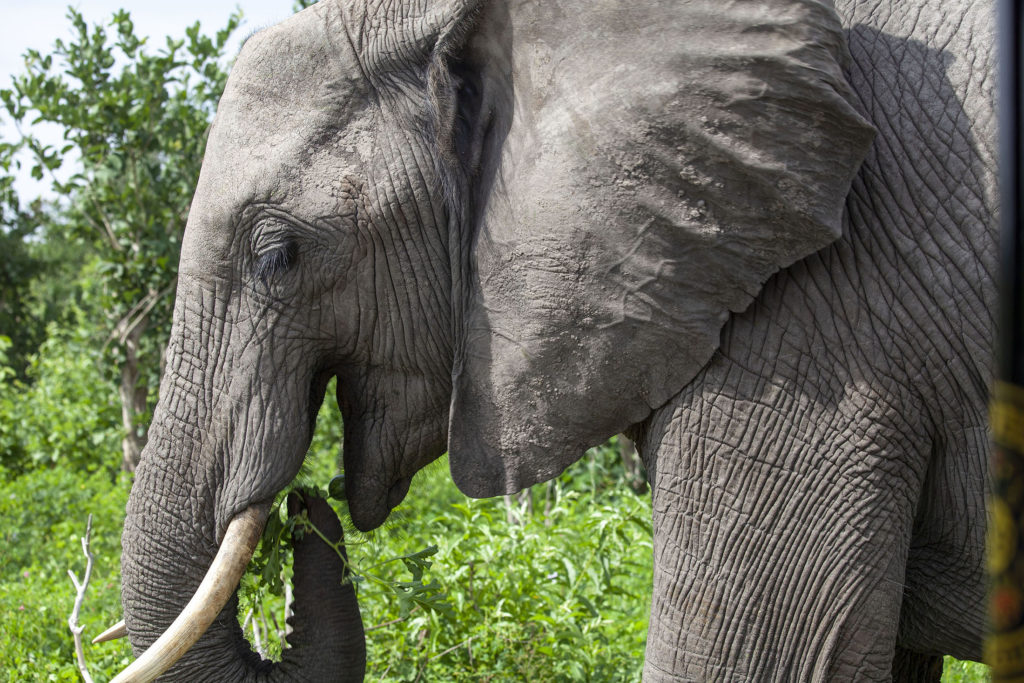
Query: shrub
(67, 412)
(42, 516)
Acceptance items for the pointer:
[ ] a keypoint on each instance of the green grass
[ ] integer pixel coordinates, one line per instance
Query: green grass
(43, 514)
(562, 595)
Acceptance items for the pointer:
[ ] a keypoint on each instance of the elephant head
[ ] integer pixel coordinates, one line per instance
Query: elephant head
(465, 211)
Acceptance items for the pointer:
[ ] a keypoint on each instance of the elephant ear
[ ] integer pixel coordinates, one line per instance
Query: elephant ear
(659, 162)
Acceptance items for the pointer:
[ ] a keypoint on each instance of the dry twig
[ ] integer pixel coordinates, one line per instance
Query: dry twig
(393, 621)
(76, 630)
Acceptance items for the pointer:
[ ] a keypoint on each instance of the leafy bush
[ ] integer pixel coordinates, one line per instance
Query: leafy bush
(67, 412)
(560, 593)
(133, 121)
(955, 671)
(42, 516)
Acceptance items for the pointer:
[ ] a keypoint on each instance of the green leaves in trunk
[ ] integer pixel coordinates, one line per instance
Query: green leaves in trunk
(271, 562)
(411, 594)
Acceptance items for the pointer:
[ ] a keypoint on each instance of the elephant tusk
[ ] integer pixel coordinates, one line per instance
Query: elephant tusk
(213, 593)
(116, 631)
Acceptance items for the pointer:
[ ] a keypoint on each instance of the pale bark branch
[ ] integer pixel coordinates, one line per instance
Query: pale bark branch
(80, 588)
(108, 228)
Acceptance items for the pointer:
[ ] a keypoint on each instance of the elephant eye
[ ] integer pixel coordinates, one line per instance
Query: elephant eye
(274, 260)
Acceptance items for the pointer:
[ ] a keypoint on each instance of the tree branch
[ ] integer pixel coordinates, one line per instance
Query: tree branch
(393, 621)
(108, 229)
(138, 312)
(466, 642)
(76, 630)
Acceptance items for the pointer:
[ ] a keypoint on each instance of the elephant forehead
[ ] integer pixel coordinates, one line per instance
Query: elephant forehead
(308, 52)
(284, 74)
(287, 116)
(292, 86)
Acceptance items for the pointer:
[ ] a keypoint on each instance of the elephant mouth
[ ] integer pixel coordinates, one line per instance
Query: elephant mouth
(369, 508)
(397, 492)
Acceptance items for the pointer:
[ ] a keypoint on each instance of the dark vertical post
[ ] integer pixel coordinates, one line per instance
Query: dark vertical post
(1004, 648)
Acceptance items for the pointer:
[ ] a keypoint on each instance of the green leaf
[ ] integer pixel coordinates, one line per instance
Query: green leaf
(417, 562)
(589, 605)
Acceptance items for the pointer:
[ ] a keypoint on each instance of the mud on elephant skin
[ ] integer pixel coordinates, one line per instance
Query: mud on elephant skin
(513, 229)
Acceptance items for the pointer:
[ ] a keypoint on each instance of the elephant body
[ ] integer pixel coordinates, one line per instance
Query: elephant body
(757, 236)
(819, 488)
(853, 514)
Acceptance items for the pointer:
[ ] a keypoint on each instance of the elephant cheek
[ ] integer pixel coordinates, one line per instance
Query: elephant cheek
(268, 444)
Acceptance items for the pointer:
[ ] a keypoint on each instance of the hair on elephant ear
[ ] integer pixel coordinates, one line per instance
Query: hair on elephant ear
(642, 169)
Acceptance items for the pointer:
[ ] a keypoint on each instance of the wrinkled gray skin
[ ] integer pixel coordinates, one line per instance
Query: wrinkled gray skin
(757, 236)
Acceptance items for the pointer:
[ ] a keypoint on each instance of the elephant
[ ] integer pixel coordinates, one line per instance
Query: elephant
(758, 237)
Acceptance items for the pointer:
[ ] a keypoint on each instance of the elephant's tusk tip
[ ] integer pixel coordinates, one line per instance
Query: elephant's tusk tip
(116, 631)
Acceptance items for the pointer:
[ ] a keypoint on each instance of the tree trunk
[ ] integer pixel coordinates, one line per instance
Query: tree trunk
(133, 392)
(632, 464)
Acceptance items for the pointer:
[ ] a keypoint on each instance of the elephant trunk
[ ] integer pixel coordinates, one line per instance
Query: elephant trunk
(169, 545)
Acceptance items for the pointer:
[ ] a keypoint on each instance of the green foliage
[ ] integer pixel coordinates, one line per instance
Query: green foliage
(134, 129)
(955, 671)
(269, 563)
(18, 269)
(40, 282)
(65, 412)
(42, 517)
(6, 372)
(555, 594)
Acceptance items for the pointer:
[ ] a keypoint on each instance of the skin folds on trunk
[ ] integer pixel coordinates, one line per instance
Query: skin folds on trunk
(327, 641)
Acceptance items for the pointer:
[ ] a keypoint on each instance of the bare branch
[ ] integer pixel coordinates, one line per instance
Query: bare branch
(141, 316)
(137, 314)
(466, 642)
(108, 228)
(393, 621)
(80, 588)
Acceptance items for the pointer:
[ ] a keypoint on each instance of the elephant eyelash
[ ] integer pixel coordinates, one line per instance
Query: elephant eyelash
(274, 261)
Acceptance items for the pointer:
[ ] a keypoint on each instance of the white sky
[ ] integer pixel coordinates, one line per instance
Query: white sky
(36, 24)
